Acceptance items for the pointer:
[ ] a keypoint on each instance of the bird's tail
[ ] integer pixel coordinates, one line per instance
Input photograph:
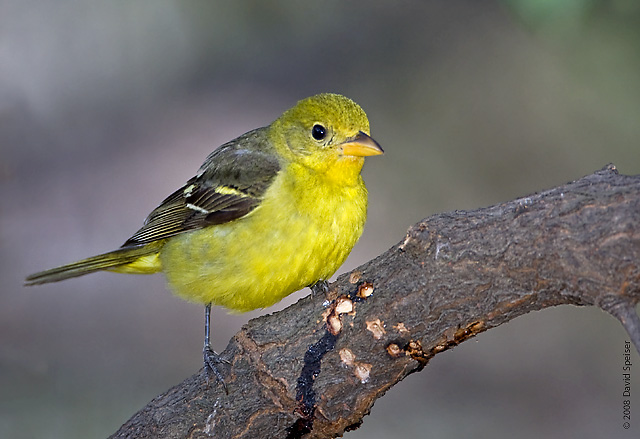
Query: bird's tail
(139, 259)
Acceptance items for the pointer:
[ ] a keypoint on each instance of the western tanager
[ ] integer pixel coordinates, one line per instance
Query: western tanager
(268, 213)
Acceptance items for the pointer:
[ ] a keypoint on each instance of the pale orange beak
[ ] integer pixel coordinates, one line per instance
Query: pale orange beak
(361, 145)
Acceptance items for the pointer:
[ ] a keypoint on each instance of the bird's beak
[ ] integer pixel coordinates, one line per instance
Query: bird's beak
(360, 145)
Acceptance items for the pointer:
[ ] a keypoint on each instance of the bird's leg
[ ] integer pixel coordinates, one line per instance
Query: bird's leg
(320, 287)
(211, 358)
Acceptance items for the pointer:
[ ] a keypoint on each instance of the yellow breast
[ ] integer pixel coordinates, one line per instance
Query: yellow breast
(302, 232)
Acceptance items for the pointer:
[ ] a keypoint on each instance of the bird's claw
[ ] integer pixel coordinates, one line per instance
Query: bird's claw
(320, 287)
(211, 360)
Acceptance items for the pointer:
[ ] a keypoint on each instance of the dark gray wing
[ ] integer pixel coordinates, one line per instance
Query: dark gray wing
(229, 185)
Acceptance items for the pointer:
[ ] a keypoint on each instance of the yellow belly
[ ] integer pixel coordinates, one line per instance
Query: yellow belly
(297, 236)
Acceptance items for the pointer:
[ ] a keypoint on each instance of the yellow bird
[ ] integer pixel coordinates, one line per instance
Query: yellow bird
(268, 213)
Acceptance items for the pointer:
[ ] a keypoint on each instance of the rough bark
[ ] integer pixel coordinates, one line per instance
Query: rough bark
(315, 369)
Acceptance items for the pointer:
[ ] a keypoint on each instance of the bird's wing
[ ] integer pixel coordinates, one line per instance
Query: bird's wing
(229, 185)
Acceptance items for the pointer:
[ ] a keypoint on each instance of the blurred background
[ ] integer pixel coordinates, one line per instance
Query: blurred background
(107, 107)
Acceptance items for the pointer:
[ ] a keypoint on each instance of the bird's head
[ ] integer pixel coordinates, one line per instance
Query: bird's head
(325, 132)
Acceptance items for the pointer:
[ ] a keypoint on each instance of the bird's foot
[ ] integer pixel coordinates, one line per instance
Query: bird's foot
(320, 287)
(211, 362)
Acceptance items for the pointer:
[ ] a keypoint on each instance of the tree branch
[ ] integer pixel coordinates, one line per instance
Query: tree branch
(316, 368)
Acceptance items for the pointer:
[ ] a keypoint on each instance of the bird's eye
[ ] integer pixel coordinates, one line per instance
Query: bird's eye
(318, 132)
